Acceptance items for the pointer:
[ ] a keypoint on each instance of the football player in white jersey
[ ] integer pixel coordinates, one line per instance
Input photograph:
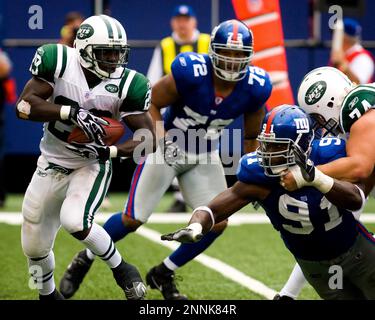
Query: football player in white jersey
(341, 108)
(75, 87)
(202, 103)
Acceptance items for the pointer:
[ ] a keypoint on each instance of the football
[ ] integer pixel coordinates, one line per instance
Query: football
(114, 131)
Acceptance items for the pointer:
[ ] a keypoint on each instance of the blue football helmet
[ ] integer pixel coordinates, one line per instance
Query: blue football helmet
(231, 35)
(284, 129)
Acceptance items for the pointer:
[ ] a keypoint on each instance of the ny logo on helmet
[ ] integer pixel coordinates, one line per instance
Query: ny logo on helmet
(302, 125)
(237, 43)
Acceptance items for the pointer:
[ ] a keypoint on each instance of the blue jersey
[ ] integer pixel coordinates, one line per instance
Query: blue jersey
(201, 110)
(310, 226)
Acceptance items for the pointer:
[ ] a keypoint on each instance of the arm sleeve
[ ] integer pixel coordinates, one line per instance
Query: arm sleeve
(138, 96)
(183, 73)
(249, 171)
(264, 92)
(44, 63)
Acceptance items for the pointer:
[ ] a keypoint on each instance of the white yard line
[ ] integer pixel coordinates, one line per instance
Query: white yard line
(209, 262)
(215, 264)
(15, 218)
(224, 269)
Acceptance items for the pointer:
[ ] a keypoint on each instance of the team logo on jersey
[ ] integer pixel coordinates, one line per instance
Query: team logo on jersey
(353, 103)
(302, 125)
(315, 92)
(85, 31)
(112, 88)
(182, 61)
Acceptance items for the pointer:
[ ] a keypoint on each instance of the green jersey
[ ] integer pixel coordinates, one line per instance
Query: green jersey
(116, 98)
(355, 105)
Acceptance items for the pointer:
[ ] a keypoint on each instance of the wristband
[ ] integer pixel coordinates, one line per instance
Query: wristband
(207, 209)
(298, 177)
(322, 182)
(65, 112)
(113, 151)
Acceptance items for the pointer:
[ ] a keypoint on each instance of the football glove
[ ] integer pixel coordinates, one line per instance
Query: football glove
(192, 233)
(306, 165)
(90, 124)
(90, 151)
(171, 151)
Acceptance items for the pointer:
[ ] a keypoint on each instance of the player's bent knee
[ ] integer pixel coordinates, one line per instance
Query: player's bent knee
(71, 225)
(32, 242)
(34, 252)
(31, 211)
(130, 223)
(220, 227)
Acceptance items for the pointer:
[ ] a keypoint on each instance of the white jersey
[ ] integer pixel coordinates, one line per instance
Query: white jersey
(115, 98)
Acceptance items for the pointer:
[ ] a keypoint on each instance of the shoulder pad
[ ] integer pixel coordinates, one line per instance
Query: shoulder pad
(249, 171)
(260, 83)
(327, 149)
(135, 91)
(189, 68)
(49, 62)
(355, 105)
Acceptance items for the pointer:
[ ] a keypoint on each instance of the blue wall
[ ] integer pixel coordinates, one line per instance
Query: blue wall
(147, 19)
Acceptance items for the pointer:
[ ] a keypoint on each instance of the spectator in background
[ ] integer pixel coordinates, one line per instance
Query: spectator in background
(7, 95)
(69, 30)
(354, 60)
(185, 37)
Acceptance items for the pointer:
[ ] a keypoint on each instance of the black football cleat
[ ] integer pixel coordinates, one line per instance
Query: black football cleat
(284, 298)
(165, 283)
(74, 274)
(55, 295)
(129, 279)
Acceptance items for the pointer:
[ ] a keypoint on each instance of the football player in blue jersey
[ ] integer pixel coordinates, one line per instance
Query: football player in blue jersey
(205, 92)
(315, 222)
(341, 108)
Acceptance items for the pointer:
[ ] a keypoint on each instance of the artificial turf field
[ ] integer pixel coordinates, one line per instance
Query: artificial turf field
(254, 249)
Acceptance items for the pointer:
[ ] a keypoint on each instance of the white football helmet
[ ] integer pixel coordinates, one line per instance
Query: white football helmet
(101, 44)
(321, 94)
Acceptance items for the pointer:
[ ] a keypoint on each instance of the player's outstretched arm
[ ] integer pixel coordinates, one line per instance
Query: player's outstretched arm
(219, 209)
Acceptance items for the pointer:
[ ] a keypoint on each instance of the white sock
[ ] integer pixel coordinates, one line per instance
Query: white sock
(41, 272)
(169, 264)
(90, 254)
(101, 244)
(294, 284)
